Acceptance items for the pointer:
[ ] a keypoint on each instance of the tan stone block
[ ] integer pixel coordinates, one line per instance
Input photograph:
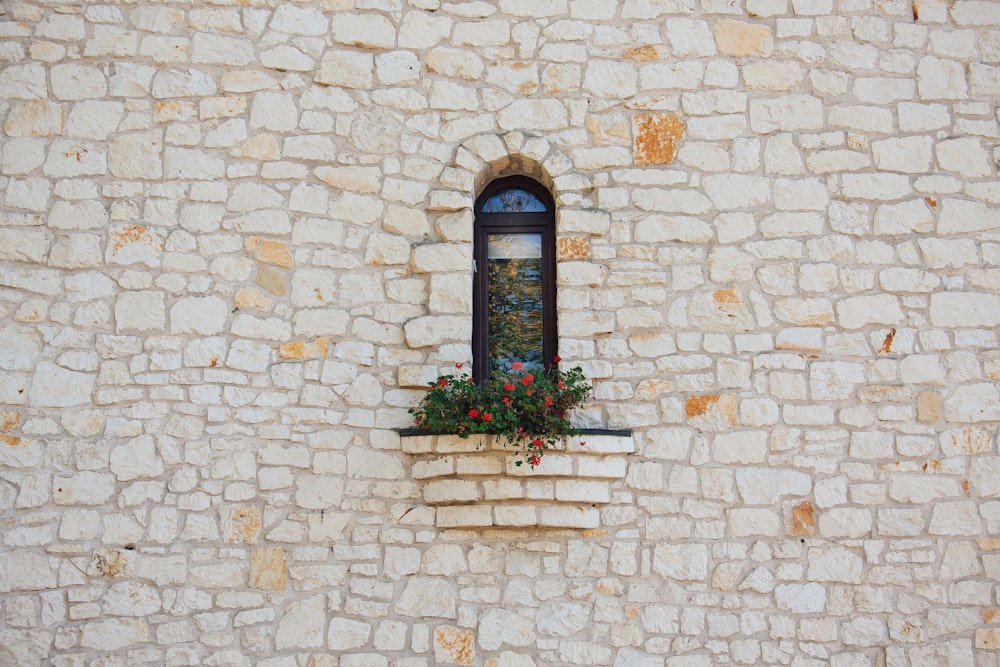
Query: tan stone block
(270, 251)
(267, 568)
(987, 638)
(454, 645)
(738, 38)
(928, 407)
(9, 421)
(711, 410)
(300, 349)
(259, 147)
(656, 138)
(241, 524)
(273, 281)
(653, 388)
(573, 247)
(34, 118)
(803, 519)
(248, 297)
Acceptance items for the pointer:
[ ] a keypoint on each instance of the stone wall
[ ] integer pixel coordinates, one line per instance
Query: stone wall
(235, 243)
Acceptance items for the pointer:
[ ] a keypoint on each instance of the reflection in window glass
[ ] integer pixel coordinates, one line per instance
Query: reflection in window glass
(515, 300)
(513, 200)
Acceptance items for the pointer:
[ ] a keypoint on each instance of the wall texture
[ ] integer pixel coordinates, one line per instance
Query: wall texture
(235, 242)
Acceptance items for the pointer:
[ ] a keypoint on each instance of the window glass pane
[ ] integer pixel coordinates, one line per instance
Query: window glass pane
(513, 200)
(515, 300)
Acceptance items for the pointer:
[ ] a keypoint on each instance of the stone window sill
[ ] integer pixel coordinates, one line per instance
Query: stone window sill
(475, 482)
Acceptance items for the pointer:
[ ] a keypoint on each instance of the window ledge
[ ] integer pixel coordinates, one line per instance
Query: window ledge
(475, 483)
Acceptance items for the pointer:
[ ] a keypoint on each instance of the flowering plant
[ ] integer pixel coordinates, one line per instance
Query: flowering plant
(527, 411)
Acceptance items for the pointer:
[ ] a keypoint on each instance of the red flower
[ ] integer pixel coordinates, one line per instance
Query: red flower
(561, 385)
(530, 392)
(473, 413)
(487, 417)
(509, 386)
(557, 359)
(517, 365)
(507, 400)
(537, 443)
(535, 459)
(443, 382)
(458, 366)
(526, 380)
(548, 401)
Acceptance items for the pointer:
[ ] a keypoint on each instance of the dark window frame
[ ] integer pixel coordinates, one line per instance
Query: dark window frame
(543, 223)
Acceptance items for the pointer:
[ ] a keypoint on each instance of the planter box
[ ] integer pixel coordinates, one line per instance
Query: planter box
(475, 482)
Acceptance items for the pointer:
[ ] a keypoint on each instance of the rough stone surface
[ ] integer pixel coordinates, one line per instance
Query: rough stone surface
(236, 243)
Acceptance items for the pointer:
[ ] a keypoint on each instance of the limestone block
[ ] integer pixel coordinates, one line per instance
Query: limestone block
(738, 38)
(610, 79)
(939, 79)
(23, 245)
(801, 598)
(455, 63)
(71, 81)
(859, 311)
(24, 82)
(450, 293)
(318, 491)
(740, 447)
(748, 522)
(321, 322)
(533, 115)
(368, 31)
(685, 562)
(35, 118)
(834, 380)
(214, 49)
(303, 625)
(25, 570)
(357, 209)
(181, 163)
(922, 369)
(788, 113)
(721, 310)
(964, 309)
(83, 488)
(961, 216)
(73, 158)
(904, 218)
(683, 75)
(54, 386)
(295, 20)
(141, 310)
(182, 83)
(660, 228)
(973, 403)
(137, 458)
(958, 517)
(433, 597)
(204, 315)
(346, 634)
(498, 627)
(454, 645)
(852, 522)
(689, 38)
(22, 156)
(114, 633)
(947, 253)
(766, 486)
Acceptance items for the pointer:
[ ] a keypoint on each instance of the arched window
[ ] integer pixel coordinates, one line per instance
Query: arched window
(514, 289)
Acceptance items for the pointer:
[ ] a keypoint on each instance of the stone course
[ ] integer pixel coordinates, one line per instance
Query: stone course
(235, 246)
